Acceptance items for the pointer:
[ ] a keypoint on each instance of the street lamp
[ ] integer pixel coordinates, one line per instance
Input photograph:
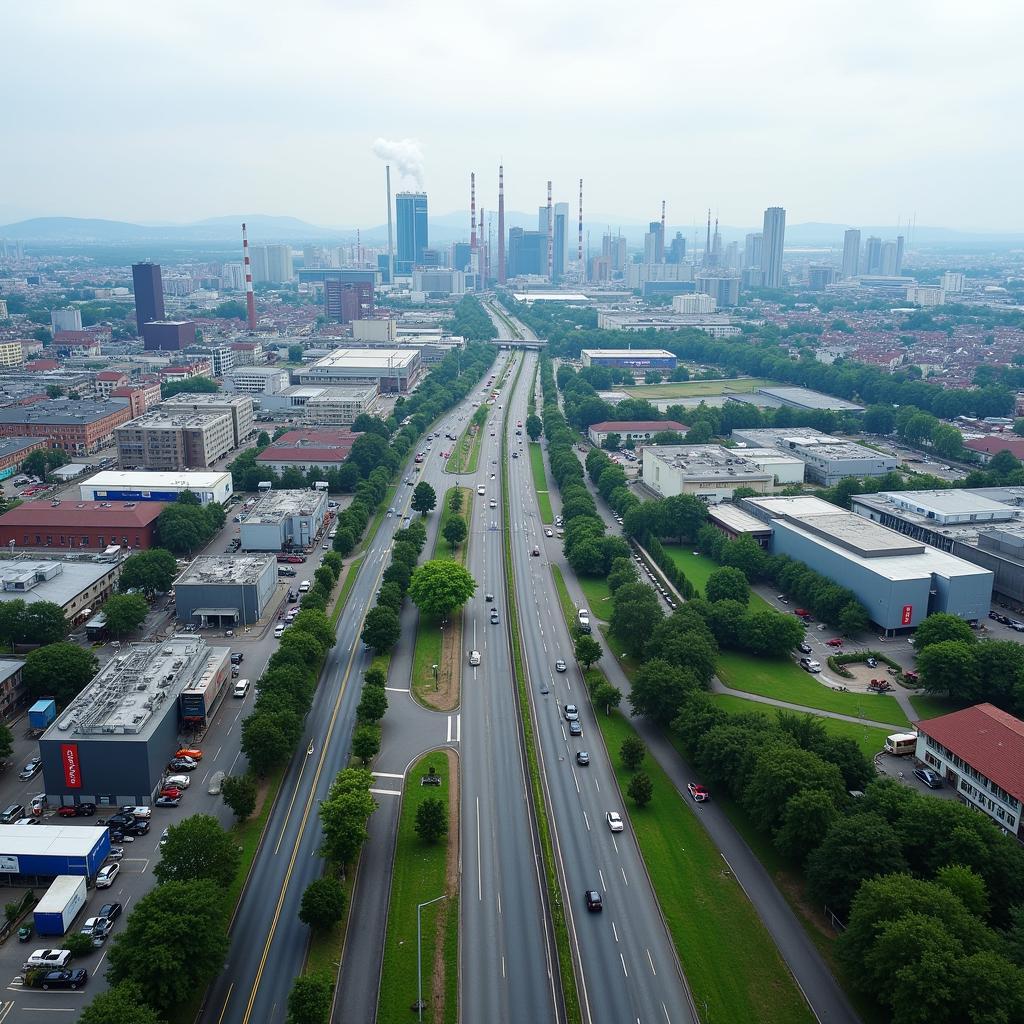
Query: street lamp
(434, 669)
(419, 952)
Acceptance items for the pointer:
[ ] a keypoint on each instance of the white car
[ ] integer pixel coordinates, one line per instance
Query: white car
(474, 657)
(178, 781)
(106, 875)
(279, 631)
(116, 853)
(614, 820)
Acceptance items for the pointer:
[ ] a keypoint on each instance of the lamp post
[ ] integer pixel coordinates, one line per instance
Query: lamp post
(419, 954)
(434, 669)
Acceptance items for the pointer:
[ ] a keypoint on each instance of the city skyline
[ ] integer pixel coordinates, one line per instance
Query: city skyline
(264, 118)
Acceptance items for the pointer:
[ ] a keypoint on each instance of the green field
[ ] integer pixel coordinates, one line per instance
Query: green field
(540, 483)
(927, 706)
(599, 597)
(698, 388)
(697, 569)
(785, 680)
(730, 961)
(466, 453)
(418, 876)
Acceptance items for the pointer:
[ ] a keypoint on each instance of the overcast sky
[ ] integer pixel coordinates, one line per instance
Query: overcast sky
(858, 113)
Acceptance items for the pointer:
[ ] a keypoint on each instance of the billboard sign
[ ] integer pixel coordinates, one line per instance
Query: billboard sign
(908, 614)
(71, 764)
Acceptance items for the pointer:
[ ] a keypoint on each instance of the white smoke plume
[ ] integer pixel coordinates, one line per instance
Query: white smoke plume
(405, 155)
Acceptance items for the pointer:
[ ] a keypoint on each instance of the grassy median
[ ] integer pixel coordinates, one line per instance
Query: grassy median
(466, 453)
(540, 483)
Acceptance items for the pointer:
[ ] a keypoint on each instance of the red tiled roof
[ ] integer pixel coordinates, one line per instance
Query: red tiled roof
(309, 446)
(989, 740)
(43, 364)
(621, 426)
(994, 445)
(83, 513)
(109, 375)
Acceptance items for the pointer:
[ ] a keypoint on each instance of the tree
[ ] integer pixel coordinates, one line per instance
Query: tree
(123, 1002)
(853, 619)
(948, 667)
(940, 627)
(125, 613)
(439, 587)
(150, 952)
(198, 848)
(659, 689)
(365, 743)
(381, 629)
(39, 463)
(534, 426)
(295, 353)
(42, 622)
(323, 903)
(262, 440)
(588, 650)
(607, 696)
(151, 571)
(343, 816)
(806, 817)
(769, 634)
(423, 498)
(611, 442)
(632, 753)
(634, 612)
(265, 739)
(193, 385)
(455, 531)
(317, 625)
(727, 584)
(640, 789)
(309, 1001)
(59, 671)
(431, 819)
(239, 792)
(373, 703)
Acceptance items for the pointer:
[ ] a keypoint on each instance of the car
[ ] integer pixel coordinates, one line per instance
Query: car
(494, 616)
(111, 911)
(548, 532)
(97, 928)
(474, 657)
(515, 455)
(488, 597)
(68, 811)
(614, 820)
(698, 792)
(834, 642)
(172, 791)
(178, 781)
(137, 812)
(119, 819)
(194, 752)
(492, 503)
(593, 900)
(117, 836)
(575, 728)
(139, 828)
(168, 801)
(871, 663)
(181, 764)
(931, 779)
(560, 665)
(31, 770)
(571, 712)
(116, 853)
(535, 552)
(296, 559)
(279, 631)
(241, 689)
(805, 648)
(26, 821)
(284, 571)
(781, 598)
(62, 979)
(802, 612)
(582, 757)
(237, 657)
(106, 875)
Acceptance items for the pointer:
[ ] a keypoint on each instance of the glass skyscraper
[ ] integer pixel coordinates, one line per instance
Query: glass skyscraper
(772, 243)
(411, 215)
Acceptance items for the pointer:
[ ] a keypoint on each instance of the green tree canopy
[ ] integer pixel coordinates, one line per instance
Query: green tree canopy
(941, 626)
(125, 613)
(424, 498)
(659, 689)
(455, 531)
(122, 1003)
(439, 587)
(323, 903)
(239, 793)
(381, 629)
(198, 848)
(729, 584)
(151, 571)
(60, 671)
(431, 819)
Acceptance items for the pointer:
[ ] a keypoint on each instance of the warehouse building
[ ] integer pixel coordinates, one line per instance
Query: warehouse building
(308, 449)
(632, 430)
(316, 404)
(78, 525)
(171, 441)
(786, 468)
(226, 590)
(717, 325)
(256, 380)
(393, 370)
(28, 853)
(237, 407)
(110, 746)
(827, 459)
(284, 520)
(75, 586)
(635, 359)
(139, 485)
(14, 450)
(797, 398)
(79, 427)
(898, 580)
(736, 523)
(709, 471)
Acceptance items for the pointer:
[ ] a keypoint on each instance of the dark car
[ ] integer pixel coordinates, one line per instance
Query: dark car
(237, 657)
(805, 648)
(111, 911)
(575, 728)
(283, 570)
(582, 757)
(120, 820)
(136, 828)
(182, 764)
(594, 902)
(931, 779)
(168, 801)
(63, 979)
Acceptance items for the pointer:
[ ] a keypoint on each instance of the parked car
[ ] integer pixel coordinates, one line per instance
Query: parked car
(168, 801)
(805, 648)
(111, 911)
(60, 979)
(931, 779)
(178, 781)
(116, 853)
(181, 764)
(834, 642)
(31, 770)
(106, 875)
(172, 791)
(698, 792)
(97, 928)
(194, 752)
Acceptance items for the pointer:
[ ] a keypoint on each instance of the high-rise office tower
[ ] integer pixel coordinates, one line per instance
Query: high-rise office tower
(899, 255)
(731, 260)
(752, 244)
(411, 215)
(149, 293)
(651, 247)
(657, 237)
(873, 255)
(561, 240)
(279, 263)
(851, 253)
(887, 262)
(260, 264)
(774, 232)
(677, 250)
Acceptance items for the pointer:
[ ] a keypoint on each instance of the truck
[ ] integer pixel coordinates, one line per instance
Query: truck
(60, 905)
(42, 714)
(901, 744)
(265, 486)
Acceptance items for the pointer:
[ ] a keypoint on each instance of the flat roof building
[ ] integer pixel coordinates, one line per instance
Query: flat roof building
(632, 430)
(308, 449)
(284, 520)
(629, 358)
(786, 468)
(14, 450)
(827, 459)
(171, 335)
(333, 406)
(708, 471)
(78, 525)
(238, 407)
(77, 426)
(111, 744)
(391, 369)
(898, 580)
(76, 586)
(140, 485)
(173, 441)
(226, 590)
(736, 523)
(56, 849)
(799, 398)
(718, 325)
(257, 380)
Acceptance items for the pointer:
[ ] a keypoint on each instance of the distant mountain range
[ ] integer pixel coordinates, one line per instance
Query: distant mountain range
(444, 228)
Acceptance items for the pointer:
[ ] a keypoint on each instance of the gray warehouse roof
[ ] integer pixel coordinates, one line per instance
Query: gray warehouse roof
(239, 569)
(706, 461)
(804, 398)
(56, 580)
(278, 505)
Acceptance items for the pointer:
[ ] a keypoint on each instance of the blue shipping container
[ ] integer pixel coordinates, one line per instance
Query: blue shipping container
(42, 714)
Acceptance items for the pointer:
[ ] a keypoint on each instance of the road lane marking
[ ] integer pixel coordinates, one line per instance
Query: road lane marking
(615, 844)
(479, 863)
(624, 971)
(601, 876)
(624, 878)
(598, 784)
(387, 775)
(574, 779)
(397, 689)
(387, 792)
(458, 728)
(665, 1010)
(651, 962)
(615, 931)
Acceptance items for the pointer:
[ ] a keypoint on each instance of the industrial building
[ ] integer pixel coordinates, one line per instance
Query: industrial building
(79, 427)
(14, 451)
(709, 471)
(827, 459)
(79, 525)
(237, 407)
(979, 751)
(110, 746)
(168, 335)
(75, 586)
(225, 590)
(56, 849)
(898, 580)
(316, 404)
(797, 398)
(256, 380)
(717, 325)
(632, 430)
(139, 485)
(391, 369)
(736, 523)
(629, 358)
(307, 449)
(283, 520)
(172, 441)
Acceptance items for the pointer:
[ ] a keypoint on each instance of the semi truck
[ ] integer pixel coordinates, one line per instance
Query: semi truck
(60, 905)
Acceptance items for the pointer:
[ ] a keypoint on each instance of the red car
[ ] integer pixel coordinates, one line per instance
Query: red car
(698, 792)
(801, 612)
(834, 642)
(171, 791)
(67, 811)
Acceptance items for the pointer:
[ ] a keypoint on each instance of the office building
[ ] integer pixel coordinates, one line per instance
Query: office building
(651, 246)
(14, 450)
(820, 277)
(527, 253)
(926, 295)
(560, 241)
(65, 319)
(237, 407)
(149, 293)
(260, 264)
(76, 585)
(221, 356)
(752, 248)
(335, 405)
(632, 430)
(851, 253)
(439, 282)
(979, 752)
(952, 282)
(111, 744)
(392, 370)
(724, 290)
(279, 264)
(283, 520)
(304, 450)
(412, 233)
(79, 427)
(346, 301)
(698, 302)
(170, 441)
(872, 256)
(899, 581)
(635, 359)
(638, 274)
(168, 335)
(256, 380)
(461, 252)
(676, 251)
(247, 353)
(80, 525)
(709, 471)
(774, 238)
(717, 325)
(138, 485)
(12, 353)
(827, 460)
(225, 590)
(887, 260)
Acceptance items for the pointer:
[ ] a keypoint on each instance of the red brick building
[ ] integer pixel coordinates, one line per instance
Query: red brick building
(81, 525)
(79, 427)
(306, 449)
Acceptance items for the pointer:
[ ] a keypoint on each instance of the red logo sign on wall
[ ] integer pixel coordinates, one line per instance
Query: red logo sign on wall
(72, 769)
(908, 614)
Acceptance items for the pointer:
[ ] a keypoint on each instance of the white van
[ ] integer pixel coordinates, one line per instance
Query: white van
(480, 490)
(584, 617)
(303, 586)
(53, 959)
(241, 687)
(901, 744)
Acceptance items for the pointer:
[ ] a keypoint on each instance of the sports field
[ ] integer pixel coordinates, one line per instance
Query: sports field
(698, 388)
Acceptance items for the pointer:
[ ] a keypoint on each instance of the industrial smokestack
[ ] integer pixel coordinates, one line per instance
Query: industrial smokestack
(250, 299)
(391, 237)
(501, 224)
(551, 239)
(472, 211)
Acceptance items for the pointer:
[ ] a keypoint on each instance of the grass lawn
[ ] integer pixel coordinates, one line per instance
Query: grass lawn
(697, 569)
(698, 388)
(729, 959)
(784, 680)
(351, 572)
(599, 597)
(426, 654)
(419, 875)
(928, 706)
(869, 739)
(540, 483)
(466, 453)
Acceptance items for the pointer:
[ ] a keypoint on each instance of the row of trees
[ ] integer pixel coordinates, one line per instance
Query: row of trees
(382, 627)
(471, 321)
(187, 525)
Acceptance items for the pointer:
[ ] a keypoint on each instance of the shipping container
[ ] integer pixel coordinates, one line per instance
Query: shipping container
(60, 905)
(42, 714)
